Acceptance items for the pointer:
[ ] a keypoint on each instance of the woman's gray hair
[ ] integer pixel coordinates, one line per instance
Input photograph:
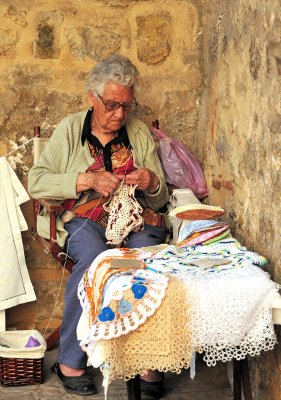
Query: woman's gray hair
(114, 68)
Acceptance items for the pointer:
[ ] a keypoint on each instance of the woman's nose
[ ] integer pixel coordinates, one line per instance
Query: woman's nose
(120, 111)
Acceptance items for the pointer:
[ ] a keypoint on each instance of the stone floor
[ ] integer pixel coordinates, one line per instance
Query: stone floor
(208, 384)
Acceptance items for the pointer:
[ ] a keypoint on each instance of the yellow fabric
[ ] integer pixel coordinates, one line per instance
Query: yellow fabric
(162, 343)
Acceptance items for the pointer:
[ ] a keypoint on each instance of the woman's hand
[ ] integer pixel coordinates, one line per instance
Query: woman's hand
(103, 182)
(144, 178)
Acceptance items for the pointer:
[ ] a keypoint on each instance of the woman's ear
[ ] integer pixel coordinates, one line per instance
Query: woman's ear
(91, 98)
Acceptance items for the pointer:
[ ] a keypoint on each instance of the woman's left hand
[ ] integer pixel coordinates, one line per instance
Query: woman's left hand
(144, 178)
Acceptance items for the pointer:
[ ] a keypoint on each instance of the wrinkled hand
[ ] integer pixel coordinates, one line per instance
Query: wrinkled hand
(103, 182)
(144, 178)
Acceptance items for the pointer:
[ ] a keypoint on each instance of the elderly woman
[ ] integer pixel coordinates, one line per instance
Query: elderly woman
(86, 158)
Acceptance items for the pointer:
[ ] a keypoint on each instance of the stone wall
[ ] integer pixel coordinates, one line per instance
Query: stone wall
(239, 132)
(209, 70)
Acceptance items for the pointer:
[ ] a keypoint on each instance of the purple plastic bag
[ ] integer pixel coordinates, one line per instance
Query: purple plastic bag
(180, 166)
(32, 342)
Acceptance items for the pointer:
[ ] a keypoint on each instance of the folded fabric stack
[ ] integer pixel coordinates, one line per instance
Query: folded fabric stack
(202, 228)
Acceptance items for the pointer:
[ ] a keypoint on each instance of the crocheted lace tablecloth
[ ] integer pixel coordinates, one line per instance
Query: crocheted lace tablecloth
(230, 298)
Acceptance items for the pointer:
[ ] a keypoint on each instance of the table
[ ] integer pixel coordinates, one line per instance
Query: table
(252, 300)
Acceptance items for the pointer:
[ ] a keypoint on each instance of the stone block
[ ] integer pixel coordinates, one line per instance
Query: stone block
(25, 75)
(17, 16)
(95, 43)
(121, 3)
(275, 126)
(47, 43)
(154, 38)
(274, 53)
(109, 31)
(255, 59)
(221, 145)
(8, 41)
(179, 111)
(248, 159)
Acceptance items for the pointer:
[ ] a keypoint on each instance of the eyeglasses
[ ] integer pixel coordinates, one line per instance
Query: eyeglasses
(113, 106)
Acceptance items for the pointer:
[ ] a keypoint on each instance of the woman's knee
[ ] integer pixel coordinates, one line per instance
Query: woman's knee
(86, 256)
(149, 236)
(84, 245)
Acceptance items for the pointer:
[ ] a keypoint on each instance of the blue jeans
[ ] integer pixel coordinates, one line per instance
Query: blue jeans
(86, 240)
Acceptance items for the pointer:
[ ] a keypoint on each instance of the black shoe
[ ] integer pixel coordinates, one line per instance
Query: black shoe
(82, 385)
(152, 390)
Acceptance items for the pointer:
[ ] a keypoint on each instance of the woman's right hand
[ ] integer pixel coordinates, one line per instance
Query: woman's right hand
(103, 182)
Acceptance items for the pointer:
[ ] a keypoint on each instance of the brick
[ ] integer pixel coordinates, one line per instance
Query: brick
(8, 41)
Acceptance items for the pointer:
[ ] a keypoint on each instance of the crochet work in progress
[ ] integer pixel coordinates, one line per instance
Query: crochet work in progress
(125, 214)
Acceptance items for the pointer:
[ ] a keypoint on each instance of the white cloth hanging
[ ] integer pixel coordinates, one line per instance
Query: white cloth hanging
(15, 284)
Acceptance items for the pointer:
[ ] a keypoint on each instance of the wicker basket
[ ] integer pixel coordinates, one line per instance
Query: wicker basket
(20, 365)
(21, 371)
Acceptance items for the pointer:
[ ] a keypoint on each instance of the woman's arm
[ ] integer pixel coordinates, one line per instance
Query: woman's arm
(51, 177)
(146, 157)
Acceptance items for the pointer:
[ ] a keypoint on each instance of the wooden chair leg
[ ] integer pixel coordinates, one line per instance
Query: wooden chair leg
(241, 376)
(237, 379)
(133, 388)
(53, 339)
(245, 375)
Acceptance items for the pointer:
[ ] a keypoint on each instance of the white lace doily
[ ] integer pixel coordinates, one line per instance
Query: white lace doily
(129, 297)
